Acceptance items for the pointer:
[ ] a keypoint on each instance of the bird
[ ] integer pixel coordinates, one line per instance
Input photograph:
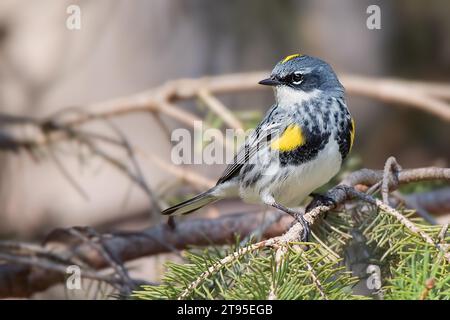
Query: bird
(299, 145)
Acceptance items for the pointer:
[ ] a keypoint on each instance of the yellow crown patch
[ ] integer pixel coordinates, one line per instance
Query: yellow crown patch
(292, 56)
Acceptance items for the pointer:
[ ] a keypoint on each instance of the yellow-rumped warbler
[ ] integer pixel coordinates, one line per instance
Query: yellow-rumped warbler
(298, 146)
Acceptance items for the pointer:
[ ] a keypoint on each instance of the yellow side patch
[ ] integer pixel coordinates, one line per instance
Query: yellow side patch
(352, 133)
(291, 139)
(292, 56)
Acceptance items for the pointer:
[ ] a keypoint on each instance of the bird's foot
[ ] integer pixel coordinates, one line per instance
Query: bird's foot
(306, 229)
(298, 216)
(320, 200)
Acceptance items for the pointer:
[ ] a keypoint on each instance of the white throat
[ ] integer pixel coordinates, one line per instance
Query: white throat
(286, 96)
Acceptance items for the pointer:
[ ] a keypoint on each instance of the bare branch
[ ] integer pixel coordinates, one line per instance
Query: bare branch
(217, 107)
(436, 201)
(161, 100)
(19, 280)
(390, 173)
(401, 92)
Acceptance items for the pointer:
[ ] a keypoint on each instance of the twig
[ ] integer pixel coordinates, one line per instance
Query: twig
(128, 284)
(400, 91)
(218, 108)
(422, 212)
(280, 255)
(370, 177)
(121, 167)
(314, 277)
(436, 201)
(65, 173)
(217, 266)
(52, 266)
(22, 249)
(272, 218)
(402, 219)
(429, 285)
(443, 233)
(155, 208)
(184, 174)
(390, 175)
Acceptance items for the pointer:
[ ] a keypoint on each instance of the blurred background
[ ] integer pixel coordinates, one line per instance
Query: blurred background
(124, 47)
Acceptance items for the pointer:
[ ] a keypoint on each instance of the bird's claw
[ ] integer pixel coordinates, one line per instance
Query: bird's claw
(320, 200)
(306, 229)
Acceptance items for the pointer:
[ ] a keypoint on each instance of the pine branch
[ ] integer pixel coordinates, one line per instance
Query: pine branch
(388, 180)
(331, 237)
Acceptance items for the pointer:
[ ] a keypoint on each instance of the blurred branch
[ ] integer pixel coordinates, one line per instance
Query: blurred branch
(184, 174)
(422, 96)
(398, 198)
(161, 100)
(415, 94)
(217, 107)
(435, 201)
(20, 278)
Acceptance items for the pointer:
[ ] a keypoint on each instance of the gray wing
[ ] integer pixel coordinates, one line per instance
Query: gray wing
(269, 127)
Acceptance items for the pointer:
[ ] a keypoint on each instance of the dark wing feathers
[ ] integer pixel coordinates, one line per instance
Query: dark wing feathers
(255, 141)
(247, 151)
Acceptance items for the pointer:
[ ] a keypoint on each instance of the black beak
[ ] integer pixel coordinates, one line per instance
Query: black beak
(270, 82)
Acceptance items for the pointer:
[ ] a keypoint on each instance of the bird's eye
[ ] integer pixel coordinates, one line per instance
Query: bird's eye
(297, 78)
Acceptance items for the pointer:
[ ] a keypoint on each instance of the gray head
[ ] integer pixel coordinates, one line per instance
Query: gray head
(304, 73)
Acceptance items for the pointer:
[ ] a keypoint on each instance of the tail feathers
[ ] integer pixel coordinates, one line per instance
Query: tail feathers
(191, 205)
